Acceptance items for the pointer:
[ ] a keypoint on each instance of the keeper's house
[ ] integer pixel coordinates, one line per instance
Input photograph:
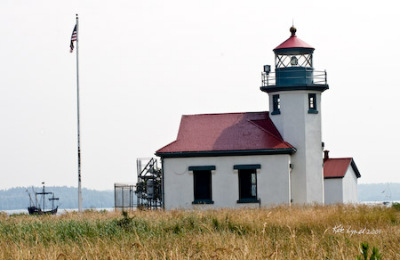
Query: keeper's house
(262, 158)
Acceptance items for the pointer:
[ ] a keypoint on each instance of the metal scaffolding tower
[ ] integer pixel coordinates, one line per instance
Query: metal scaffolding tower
(149, 184)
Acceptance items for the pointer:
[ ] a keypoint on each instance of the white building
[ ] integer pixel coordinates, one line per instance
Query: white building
(341, 176)
(256, 158)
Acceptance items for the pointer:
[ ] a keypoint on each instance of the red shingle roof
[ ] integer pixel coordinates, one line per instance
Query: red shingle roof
(227, 132)
(337, 167)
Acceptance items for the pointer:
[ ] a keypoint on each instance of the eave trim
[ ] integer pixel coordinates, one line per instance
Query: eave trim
(355, 169)
(202, 168)
(225, 153)
(314, 87)
(246, 166)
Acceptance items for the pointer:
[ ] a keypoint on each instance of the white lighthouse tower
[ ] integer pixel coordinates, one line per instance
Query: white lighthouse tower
(294, 92)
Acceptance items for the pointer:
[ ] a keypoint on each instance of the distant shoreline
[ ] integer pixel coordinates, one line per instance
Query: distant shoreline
(17, 200)
(60, 211)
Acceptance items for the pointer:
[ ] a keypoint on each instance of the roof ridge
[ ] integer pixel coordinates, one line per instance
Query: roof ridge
(279, 138)
(340, 158)
(228, 113)
(265, 130)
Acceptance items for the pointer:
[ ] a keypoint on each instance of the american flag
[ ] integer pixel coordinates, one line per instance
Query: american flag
(74, 37)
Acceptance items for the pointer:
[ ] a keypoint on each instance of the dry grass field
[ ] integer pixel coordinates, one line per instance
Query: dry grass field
(309, 232)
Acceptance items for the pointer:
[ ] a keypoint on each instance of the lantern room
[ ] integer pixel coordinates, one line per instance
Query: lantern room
(293, 53)
(293, 67)
(293, 62)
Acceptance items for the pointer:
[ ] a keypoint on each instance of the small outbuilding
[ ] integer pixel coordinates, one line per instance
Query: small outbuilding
(340, 180)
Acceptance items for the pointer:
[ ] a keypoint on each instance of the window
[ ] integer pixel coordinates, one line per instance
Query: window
(247, 175)
(312, 103)
(289, 60)
(276, 105)
(202, 188)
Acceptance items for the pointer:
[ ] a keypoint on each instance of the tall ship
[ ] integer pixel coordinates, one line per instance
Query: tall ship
(37, 204)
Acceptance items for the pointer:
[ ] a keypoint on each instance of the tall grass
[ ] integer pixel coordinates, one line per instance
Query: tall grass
(309, 232)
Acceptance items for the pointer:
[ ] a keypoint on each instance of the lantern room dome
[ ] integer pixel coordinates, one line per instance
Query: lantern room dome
(293, 43)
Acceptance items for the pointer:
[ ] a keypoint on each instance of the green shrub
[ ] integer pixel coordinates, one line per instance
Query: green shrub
(364, 253)
(396, 206)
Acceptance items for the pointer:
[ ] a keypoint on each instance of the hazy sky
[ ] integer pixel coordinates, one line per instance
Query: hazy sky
(145, 63)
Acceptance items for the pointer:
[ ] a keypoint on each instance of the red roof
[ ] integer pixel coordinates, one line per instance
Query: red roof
(337, 167)
(293, 42)
(226, 132)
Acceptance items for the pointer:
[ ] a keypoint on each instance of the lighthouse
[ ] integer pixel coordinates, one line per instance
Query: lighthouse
(260, 158)
(294, 91)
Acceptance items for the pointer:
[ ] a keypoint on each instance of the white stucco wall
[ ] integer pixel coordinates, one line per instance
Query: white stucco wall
(272, 181)
(303, 131)
(350, 192)
(342, 190)
(333, 191)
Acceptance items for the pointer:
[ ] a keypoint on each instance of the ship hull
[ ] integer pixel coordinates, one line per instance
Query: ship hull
(37, 211)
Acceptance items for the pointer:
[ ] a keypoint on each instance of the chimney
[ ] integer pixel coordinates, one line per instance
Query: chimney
(326, 155)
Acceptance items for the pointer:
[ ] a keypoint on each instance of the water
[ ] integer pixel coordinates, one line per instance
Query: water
(386, 203)
(15, 211)
(59, 212)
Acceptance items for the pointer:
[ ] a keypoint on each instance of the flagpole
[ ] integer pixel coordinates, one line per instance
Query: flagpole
(78, 117)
